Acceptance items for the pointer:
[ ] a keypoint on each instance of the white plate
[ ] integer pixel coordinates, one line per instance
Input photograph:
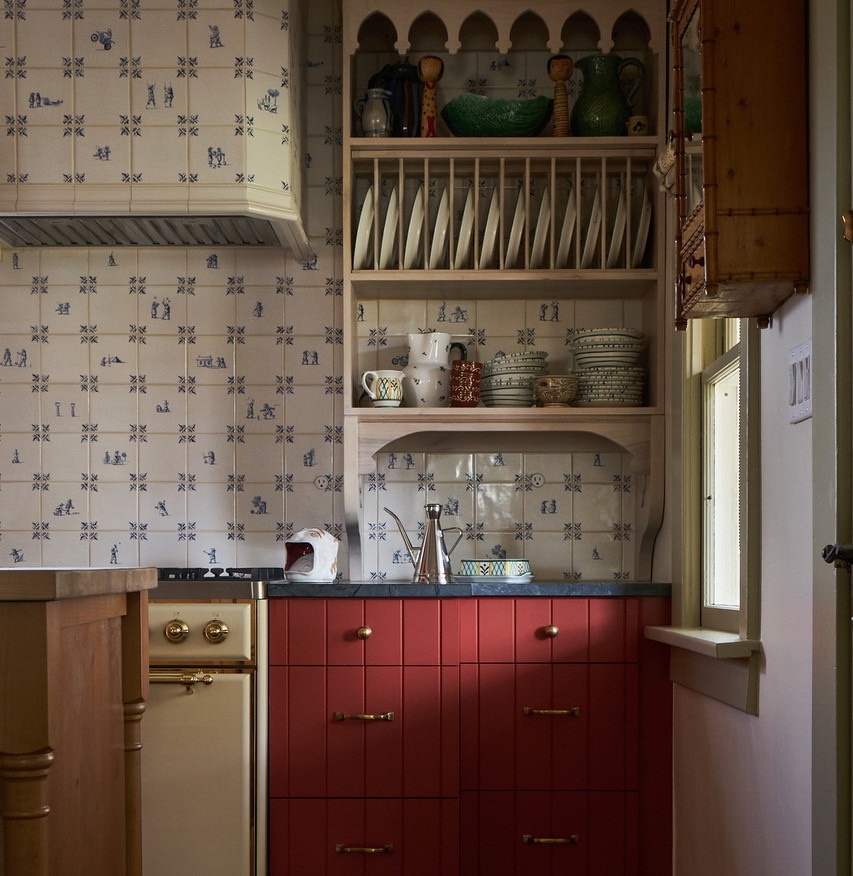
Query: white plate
(364, 233)
(515, 231)
(413, 238)
(463, 245)
(389, 234)
(541, 236)
(491, 233)
(592, 231)
(566, 234)
(618, 232)
(493, 579)
(642, 232)
(439, 234)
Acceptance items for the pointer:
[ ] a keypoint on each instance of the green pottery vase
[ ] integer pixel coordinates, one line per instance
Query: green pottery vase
(602, 108)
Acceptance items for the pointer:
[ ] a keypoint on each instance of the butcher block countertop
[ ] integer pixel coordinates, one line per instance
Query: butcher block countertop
(44, 585)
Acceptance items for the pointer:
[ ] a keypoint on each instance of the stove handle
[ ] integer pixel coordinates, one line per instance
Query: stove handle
(177, 676)
(384, 716)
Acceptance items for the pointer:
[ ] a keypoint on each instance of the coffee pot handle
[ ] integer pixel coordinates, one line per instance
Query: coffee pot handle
(463, 350)
(458, 538)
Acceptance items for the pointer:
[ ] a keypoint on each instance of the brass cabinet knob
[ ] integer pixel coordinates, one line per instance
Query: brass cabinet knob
(176, 630)
(364, 632)
(215, 631)
(551, 631)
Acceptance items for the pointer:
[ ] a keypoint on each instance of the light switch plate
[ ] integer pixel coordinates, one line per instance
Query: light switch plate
(800, 383)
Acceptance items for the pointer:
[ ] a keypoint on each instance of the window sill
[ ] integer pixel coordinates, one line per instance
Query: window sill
(710, 643)
(716, 664)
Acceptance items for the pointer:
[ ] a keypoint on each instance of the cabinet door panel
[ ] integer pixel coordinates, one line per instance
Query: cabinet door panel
(502, 747)
(314, 754)
(423, 835)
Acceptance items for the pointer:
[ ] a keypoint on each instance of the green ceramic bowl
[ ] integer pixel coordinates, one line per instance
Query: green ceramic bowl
(475, 115)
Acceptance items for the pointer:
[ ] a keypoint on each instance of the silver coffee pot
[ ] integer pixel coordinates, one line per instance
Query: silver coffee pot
(432, 559)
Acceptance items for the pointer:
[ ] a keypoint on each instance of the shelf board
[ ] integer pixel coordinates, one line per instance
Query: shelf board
(505, 284)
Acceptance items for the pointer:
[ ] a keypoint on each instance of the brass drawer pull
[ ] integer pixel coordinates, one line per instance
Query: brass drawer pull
(551, 631)
(550, 840)
(384, 716)
(341, 849)
(364, 632)
(176, 676)
(574, 712)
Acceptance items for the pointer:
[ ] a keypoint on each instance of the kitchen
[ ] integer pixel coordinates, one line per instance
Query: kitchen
(738, 777)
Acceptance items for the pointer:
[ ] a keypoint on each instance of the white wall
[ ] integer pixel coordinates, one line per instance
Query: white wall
(742, 783)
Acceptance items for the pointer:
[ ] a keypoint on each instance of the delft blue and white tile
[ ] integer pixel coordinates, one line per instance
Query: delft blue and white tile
(210, 265)
(260, 411)
(393, 561)
(260, 549)
(494, 318)
(211, 409)
(406, 503)
(162, 360)
(162, 507)
(259, 459)
(260, 359)
(158, 156)
(112, 359)
(454, 316)
(112, 410)
(215, 36)
(211, 459)
(313, 313)
(597, 506)
(499, 507)
(457, 504)
(20, 457)
(158, 97)
(64, 409)
(163, 312)
(162, 266)
(400, 467)
(46, 158)
(44, 96)
(116, 548)
(259, 506)
(163, 37)
(308, 458)
(65, 357)
(66, 508)
(21, 506)
(598, 313)
(601, 467)
(211, 508)
(551, 556)
(162, 410)
(19, 311)
(305, 505)
(547, 508)
(309, 360)
(547, 468)
(210, 362)
(111, 505)
(210, 310)
(498, 467)
(549, 317)
(111, 459)
(21, 409)
(18, 550)
(100, 37)
(316, 415)
(160, 549)
(64, 549)
(450, 467)
(482, 544)
(597, 557)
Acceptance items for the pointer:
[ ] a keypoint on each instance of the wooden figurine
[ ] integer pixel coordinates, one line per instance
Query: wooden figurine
(560, 70)
(430, 70)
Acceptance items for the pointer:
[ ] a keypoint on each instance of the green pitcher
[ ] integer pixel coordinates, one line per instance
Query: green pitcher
(602, 108)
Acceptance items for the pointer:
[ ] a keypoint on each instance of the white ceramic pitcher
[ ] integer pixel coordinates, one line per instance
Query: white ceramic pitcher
(427, 380)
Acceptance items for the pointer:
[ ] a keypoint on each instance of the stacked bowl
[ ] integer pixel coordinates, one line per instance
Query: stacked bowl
(606, 366)
(507, 381)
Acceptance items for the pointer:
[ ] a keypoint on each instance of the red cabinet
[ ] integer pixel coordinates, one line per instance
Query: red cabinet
(495, 735)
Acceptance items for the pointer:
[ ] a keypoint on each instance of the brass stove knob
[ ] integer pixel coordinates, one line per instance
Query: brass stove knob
(176, 630)
(215, 631)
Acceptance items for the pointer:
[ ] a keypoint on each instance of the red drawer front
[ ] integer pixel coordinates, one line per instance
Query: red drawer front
(315, 754)
(320, 632)
(596, 833)
(507, 742)
(423, 836)
(505, 630)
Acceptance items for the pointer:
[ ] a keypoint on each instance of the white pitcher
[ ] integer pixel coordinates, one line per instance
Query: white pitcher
(427, 380)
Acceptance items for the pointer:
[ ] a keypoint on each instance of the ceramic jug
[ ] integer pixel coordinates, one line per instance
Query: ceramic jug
(602, 108)
(427, 380)
(374, 110)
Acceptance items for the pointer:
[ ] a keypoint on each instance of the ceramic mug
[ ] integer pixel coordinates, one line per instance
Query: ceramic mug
(465, 383)
(385, 388)
(637, 126)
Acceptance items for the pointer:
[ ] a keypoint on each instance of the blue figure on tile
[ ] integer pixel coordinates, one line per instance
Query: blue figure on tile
(498, 459)
(392, 461)
(17, 555)
(596, 460)
(259, 506)
(258, 310)
(114, 555)
(442, 312)
(267, 411)
(73, 407)
(160, 507)
(268, 102)
(498, 552)
(163, 408)
(155, 307)
(359, 312)
(451, 507)
(63, 308)
(167, 309)
(459, 314)
(22, 358)
(308, 160)
(58, 411)
(409, 461)
(211, 556)
(595, 554)
(7, 356)
(15, 263)
(400, 557)
(309, 459)
(311, 264)
(549, 506)
(15, 458)
(496, 65)
(111, 261)
(213, 261)
(215, 40)
(250, 409)
(118, 458)
(102, 153)
(209, 457)
(152, 100)
(104, 37)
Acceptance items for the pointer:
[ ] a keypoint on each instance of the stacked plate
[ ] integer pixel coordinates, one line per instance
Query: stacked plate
(606, 367)
(507, 381)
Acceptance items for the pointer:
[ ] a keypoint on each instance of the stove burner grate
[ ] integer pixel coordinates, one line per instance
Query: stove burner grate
(247, 573)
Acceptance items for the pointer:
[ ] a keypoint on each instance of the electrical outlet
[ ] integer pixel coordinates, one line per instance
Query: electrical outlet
(800, 383)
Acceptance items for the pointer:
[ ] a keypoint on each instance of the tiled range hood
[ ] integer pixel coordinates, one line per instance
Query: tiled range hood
(136, 123)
